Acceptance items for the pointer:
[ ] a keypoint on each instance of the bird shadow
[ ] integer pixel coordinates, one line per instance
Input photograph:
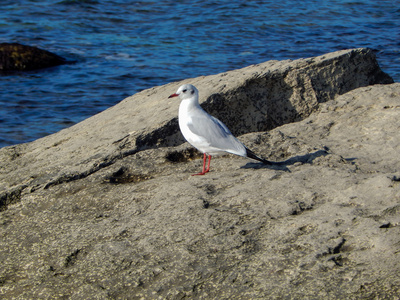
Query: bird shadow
(283, 165)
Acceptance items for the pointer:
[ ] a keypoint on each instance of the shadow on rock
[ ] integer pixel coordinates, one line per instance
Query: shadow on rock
(283, 165)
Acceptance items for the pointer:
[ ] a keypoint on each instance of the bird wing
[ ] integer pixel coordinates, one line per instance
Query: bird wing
(215, 134)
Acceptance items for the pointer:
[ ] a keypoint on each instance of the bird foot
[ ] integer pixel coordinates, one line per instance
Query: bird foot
(201, 173)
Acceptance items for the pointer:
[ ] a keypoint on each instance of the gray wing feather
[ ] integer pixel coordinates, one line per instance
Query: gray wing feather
(215, 133)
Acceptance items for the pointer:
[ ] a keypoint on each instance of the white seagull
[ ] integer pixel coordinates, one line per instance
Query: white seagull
(204, 132)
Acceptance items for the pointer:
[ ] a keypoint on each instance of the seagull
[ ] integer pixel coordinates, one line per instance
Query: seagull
(205, 132)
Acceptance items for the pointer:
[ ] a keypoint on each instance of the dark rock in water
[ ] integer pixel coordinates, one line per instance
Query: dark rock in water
(17, 57)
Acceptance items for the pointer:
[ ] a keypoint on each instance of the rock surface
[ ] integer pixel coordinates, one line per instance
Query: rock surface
(107, 209)
(17, 57)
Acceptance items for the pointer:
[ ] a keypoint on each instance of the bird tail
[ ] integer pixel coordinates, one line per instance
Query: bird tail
(252, 155)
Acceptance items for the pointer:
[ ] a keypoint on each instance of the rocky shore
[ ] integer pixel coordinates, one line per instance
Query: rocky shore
(107, 209)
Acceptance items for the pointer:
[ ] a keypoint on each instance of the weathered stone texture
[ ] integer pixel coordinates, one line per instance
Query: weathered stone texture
(107, 209)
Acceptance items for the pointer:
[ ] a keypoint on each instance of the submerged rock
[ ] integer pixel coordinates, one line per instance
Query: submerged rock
(107, 209)
(17, 57)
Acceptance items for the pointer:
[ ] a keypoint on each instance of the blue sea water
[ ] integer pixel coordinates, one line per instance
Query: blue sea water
(122, 47)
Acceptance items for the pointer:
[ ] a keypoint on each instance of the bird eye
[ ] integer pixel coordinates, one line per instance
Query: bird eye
(184, 91)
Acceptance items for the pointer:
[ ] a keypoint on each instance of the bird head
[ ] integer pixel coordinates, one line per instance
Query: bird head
(186, 91)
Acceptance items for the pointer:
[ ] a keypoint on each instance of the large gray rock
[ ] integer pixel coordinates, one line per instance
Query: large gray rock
(256, 98)
(107, 209)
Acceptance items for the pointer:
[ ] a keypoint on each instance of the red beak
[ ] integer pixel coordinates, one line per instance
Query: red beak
(173, 95)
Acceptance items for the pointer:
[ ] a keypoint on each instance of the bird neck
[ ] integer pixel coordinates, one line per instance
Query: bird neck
(189, 104)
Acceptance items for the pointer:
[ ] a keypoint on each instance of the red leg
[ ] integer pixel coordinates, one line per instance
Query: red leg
(208, 166)
(204, 166)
